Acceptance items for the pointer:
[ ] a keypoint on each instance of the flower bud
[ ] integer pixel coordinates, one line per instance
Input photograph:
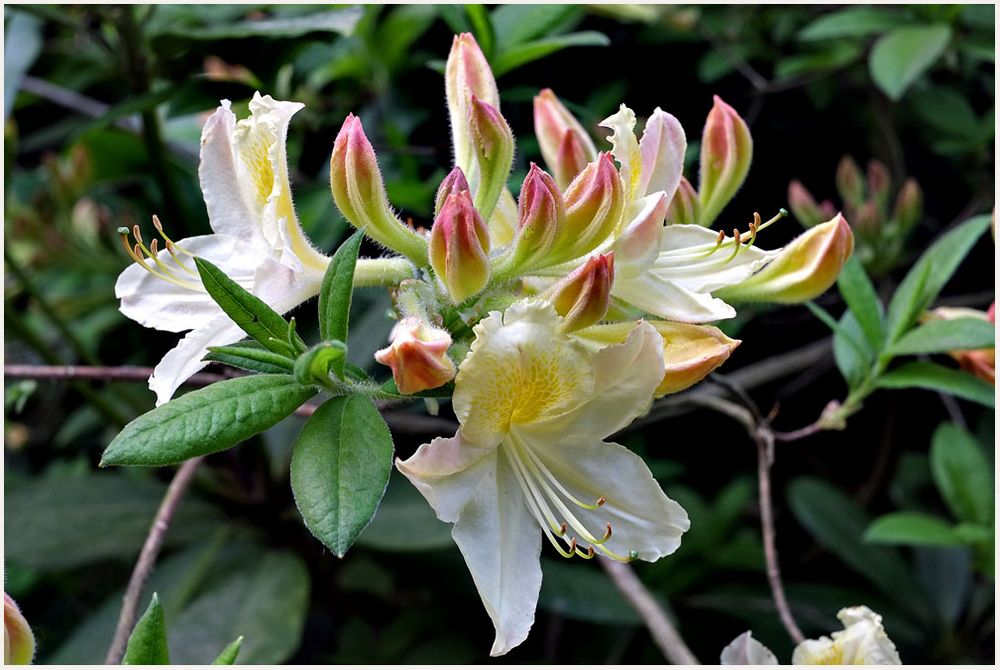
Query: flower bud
(879, 183)
(493, 152)
(638, 245)
(979, 362)
(455, 181)
(541, 217)
(418, 355)
(466, 74)
(867, 220)
(459, 247)
(684, 205)
(357, 187)
(802, 270)
(565, 145)
(690, 351)
(726, 152)
(850, 183)
(582, 297)
(594, 204)
(805, 208)
(909, 206)
(18, 640)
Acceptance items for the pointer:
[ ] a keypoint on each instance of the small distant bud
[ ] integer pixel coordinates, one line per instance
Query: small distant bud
(684, 205)
(358, 191)
(850, 183)
(639, 242)
(467, 74)
(541, 217)
(455, 181)
(909, 206)
(804, 269)
(583, 296)
(418, 355)
(867, 220)
(564, 143)
(879, 185)
(806, 210)
(493, 152)
(19, 641)
(459, 247)
(594, 204)
(726, 152)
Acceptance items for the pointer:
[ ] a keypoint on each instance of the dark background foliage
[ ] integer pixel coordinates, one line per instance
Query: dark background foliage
(103, 131)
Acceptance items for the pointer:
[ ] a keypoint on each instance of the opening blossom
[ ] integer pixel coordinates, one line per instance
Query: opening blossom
(530, 459)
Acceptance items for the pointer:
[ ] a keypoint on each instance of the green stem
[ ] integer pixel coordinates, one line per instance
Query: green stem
(382, 271)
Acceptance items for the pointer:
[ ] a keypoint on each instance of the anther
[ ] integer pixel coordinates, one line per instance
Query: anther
(607, 532)
(157, 224)
(137, 234)
(153, 248)
(720, 238)
(601, 501)
(572, 544)
(562, 529)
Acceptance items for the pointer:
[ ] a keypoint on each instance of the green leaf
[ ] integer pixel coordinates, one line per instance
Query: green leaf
(962, 474)
(524, 53)
(943, 335)
(313, 367)
(341, 21)
(251, 356)
(482, 28)
(248, 311)
(22, 44)
(902, 55)
(64, 523)
(515, 24)
(340, 469)
(929, 274)
(405, 522)
(926, 375)
(229, 654)
(854, 22)
(207, 420)
(335, 294)
(837, 524)
(911, 528)
(859, 294)
(147, 645)
(265, 599)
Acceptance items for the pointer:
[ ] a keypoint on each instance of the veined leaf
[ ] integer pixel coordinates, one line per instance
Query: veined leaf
(852, 22)
(947, 335)
(902, 55)
(207, 420)
(962, 474)
(251, 356)
(912, 528)
(147, 645)
(340, 469)
(926, 375)
(527, 52)
(335, 294)
(860, 296)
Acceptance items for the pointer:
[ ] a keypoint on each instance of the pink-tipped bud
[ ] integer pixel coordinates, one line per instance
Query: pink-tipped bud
(454, 182)
(541, 217)
(850, 183)
(358, 191)
(726, 152)
(18, 640)
(804, 269)
(638, 245)
(684, 205)
(583, 296)
(979, 362)
(808, 212)
(564, 143)
(879, 184)
(459, 247)
(595, 201)
(909, 206)
(493, 153)
(467, 74)
(418, 355)
(868, 220)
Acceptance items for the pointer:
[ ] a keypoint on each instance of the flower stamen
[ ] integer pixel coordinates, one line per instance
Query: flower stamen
(141, 254)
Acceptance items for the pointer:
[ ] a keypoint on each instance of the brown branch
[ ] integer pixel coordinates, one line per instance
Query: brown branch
(660, 627)
(147, 559)
(127, 373)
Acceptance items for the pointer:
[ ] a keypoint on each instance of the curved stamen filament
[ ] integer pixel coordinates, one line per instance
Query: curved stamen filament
(562, 489)
(544, 519)
(141, 254)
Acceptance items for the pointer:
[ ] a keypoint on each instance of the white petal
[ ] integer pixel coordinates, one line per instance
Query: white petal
(625, 149)
(643, 519)
(186, 358)
(156, 303)
(670, 300)
(625, 376)
(745, 650)
(447, 471)
(703, 272)
(662, 146)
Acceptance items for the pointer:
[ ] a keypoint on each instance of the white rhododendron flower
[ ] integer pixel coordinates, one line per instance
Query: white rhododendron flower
(745, 650)
(257, 242)
(530, 460)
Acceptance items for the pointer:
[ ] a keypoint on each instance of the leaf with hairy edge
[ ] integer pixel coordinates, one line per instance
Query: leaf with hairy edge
(207, 420)
(947, 335)
(962, 474)
(335, 294)
(926, 375)
(860, 296)
(147, 645)
(248, 311)
(251, 356)
(340, 469)
(912, 528)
